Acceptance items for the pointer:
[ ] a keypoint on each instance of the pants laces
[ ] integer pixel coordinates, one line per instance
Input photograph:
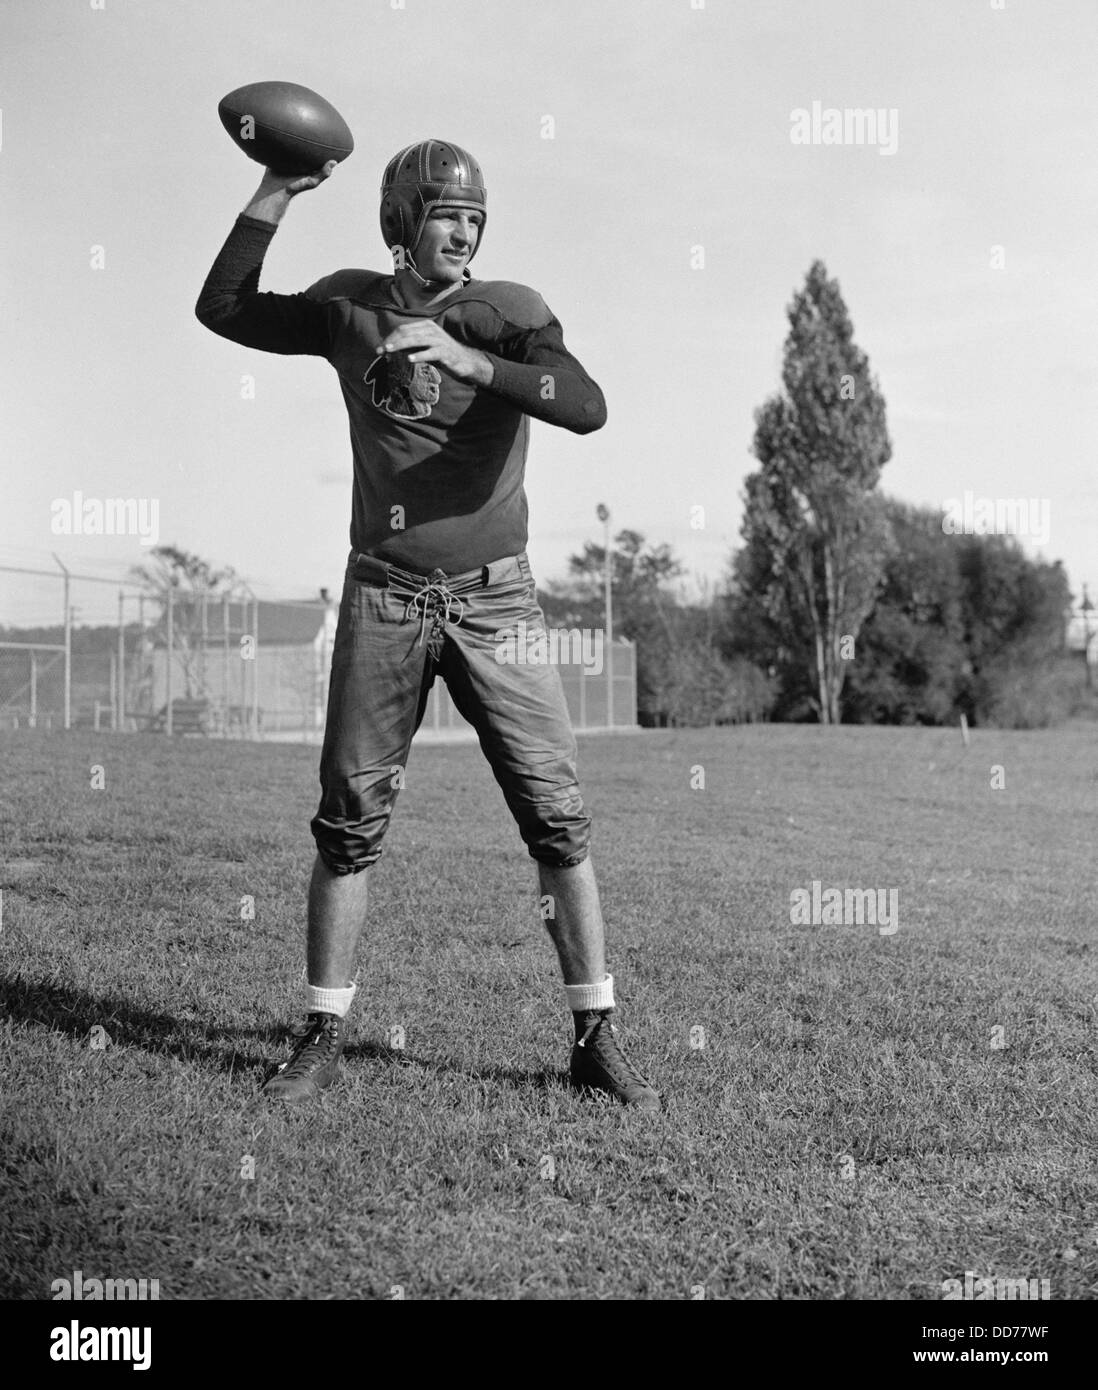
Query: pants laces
(436, 601)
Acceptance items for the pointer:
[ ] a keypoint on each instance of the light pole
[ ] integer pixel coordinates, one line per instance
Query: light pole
(603, 514)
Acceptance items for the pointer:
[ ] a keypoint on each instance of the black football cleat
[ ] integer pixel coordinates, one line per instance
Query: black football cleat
(314, 1063)
(598, 1063)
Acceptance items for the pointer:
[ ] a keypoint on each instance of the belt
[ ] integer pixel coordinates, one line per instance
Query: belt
(432, 595)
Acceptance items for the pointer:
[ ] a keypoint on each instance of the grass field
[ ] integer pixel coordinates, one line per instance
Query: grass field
(853, 1127)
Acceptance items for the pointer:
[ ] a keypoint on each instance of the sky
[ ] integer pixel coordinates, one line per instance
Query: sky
(965, 255)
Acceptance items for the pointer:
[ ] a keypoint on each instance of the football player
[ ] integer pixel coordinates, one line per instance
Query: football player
(440, 374)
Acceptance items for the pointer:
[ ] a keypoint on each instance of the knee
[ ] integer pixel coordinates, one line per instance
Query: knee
(334, 857)
(557, 834)
(348, 837)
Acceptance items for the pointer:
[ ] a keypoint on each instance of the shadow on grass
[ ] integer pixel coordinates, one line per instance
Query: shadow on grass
(76, 1012)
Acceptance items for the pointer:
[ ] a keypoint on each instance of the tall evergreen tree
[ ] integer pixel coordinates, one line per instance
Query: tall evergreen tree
(815, 526)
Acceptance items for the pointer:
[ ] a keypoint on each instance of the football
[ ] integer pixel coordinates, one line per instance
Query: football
(285, 127)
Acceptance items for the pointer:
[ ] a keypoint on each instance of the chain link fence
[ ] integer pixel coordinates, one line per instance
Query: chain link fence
(81, 651)
(599, 697)
(78, 651)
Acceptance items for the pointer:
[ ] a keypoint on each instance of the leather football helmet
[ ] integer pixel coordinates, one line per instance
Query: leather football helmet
(422, 177)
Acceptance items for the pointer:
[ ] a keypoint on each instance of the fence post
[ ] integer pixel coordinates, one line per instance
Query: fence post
(255, 667)
(141, 648)
(34, 689)
(68, 645)
(608, 602)
(227, 666)
(171, 650)
(121, 662)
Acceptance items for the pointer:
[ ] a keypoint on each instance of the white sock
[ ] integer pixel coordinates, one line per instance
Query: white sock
(329, 1001)
(584, 997)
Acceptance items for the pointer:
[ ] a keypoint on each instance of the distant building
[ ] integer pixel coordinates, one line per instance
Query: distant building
(274, 657)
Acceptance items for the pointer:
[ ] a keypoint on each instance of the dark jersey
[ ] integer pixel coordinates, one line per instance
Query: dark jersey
(438, 463)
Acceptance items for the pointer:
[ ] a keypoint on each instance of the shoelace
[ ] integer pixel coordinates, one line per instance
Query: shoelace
(610, 1054)
(322, 1031)
(591, 1027)
(434, 595)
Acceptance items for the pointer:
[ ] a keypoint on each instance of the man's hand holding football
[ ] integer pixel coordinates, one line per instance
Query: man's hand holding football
(425, 341)
(272, 197)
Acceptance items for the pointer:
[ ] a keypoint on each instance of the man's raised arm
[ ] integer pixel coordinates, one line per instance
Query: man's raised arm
(231, 304)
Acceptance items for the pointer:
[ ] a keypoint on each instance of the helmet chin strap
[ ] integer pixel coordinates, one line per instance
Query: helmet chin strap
(410, 265)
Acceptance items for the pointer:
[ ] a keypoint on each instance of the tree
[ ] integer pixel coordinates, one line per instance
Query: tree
(963, 624)
(683, 679)
(1015, 612)
(193, 582)
(747, 632)
(644, 608)
(815, 527)
(911, 656)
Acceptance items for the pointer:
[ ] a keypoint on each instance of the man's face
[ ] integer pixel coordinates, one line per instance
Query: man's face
(448, 239)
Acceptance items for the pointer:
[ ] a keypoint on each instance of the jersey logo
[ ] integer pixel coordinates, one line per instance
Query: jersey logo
(405, 390)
